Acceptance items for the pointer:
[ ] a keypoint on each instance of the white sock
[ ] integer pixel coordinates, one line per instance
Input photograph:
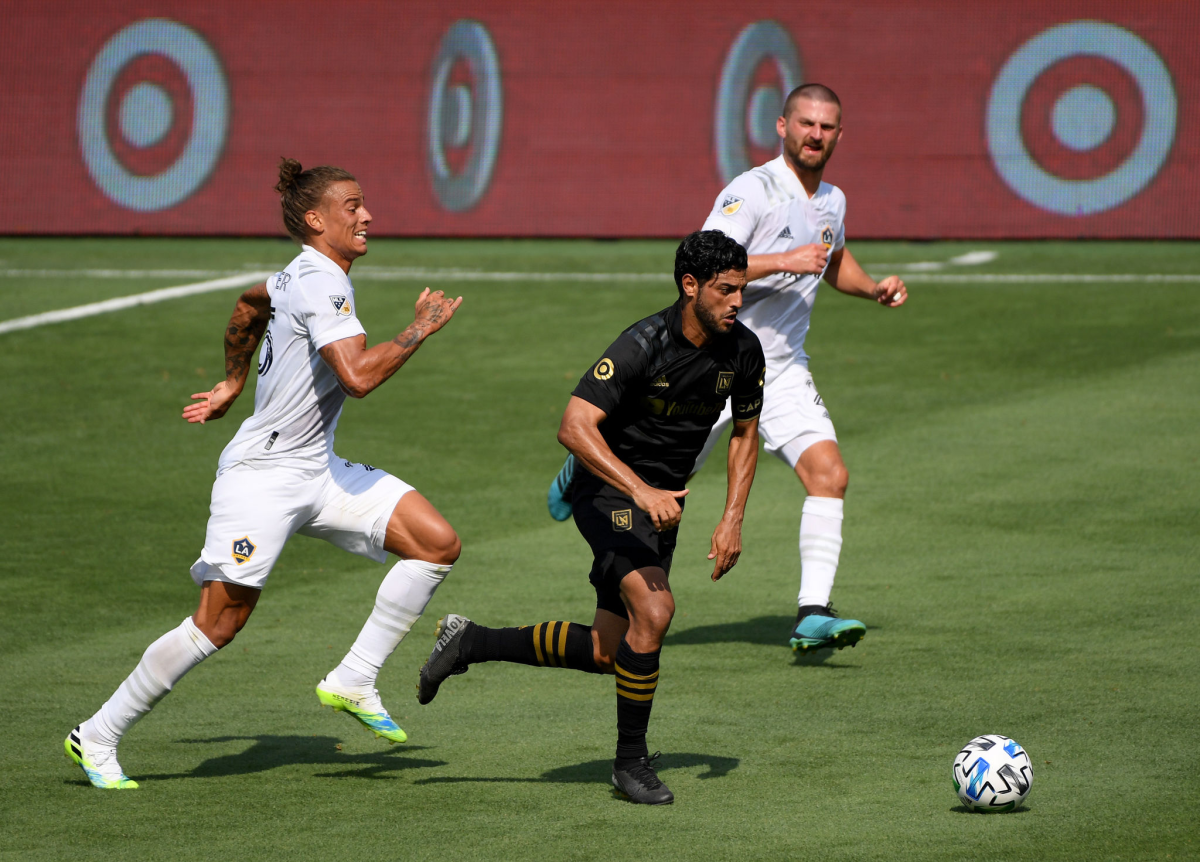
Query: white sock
(163, 664)
(820, 546)
(401, 600)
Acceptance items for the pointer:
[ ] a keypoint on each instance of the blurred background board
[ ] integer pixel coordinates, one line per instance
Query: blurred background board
(986, 119)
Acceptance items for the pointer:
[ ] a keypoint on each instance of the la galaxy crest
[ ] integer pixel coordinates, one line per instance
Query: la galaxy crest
(243, 549)
(827, 236)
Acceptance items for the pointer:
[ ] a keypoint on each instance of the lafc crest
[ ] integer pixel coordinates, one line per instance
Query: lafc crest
(622, 520)
(243, 549)
(341, 305)
(724, 382)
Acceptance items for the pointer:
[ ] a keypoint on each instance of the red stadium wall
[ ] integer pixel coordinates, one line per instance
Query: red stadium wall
(983, 119)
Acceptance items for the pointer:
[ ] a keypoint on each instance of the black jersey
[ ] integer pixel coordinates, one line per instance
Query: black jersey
(663, 394)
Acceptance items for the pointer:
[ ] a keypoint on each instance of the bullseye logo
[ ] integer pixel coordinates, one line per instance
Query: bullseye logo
(153, 115)
(466, 114)
(761, 68)
(1081, 118)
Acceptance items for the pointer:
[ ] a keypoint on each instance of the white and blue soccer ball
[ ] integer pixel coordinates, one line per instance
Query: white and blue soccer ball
(992, 773)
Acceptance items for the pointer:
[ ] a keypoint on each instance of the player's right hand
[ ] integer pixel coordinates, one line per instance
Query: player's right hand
(210, 405)
(434, 310)
(806, 259)
(662, 506)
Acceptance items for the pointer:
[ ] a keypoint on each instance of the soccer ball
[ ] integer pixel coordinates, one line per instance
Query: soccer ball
(992, 773)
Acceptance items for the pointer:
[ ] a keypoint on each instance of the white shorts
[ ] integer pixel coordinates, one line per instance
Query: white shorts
(793, 418)
(255, 510)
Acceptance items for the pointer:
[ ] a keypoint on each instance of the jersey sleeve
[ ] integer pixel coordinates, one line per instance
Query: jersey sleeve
(619, 371)
(747, 396)
(328, 310)
(737, 209)
(839, 236)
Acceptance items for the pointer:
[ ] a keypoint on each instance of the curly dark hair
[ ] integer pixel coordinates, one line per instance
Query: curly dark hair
(301, 191)
(704, 253)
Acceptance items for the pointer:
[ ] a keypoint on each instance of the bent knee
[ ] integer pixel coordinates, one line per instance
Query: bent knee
(831, 481)
(446, 548)
(222, 633)
(658, 620)
(838, 480)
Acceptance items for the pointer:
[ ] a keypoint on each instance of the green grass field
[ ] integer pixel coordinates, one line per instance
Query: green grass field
(1021, 538)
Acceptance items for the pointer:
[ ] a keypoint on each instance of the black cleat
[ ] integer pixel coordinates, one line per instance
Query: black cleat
(445, 660)
(634, 779)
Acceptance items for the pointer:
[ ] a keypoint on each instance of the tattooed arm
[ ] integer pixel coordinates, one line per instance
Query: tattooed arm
(246, 326)
(361, 369)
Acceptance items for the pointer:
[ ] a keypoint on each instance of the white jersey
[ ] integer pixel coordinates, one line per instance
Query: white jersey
(297, 398)
(768, 211)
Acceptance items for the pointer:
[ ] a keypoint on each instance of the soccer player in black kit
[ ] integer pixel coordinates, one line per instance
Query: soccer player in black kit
(635, 424)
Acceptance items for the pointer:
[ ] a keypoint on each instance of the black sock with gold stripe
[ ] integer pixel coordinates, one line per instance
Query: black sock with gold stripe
(637, 678)
(552, 644)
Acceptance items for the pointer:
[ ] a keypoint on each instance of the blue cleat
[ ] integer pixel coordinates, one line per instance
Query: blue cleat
(819, 627)
(558, 498)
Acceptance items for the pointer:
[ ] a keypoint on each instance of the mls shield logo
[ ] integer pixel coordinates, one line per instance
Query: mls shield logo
(341, 305)
(731, 204)
(724, 382)
(622, 520)
(243, 549)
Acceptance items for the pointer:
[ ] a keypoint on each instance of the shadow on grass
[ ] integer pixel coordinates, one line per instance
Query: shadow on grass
(767, 631)
(271, 752)
(764, 631)
(600, 771)
(962, 809)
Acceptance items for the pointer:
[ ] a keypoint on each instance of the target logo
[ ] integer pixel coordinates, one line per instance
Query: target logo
(153, 115)
(466, 115)
(761, 68)
(1081, 118)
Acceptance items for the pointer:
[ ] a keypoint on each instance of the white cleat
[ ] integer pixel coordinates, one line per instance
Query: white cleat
(98, 762)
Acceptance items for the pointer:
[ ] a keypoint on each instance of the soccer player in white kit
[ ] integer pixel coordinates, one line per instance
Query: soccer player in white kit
(793, 227)
(279, 475)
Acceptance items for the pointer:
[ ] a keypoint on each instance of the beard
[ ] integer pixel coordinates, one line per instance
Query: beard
(812, 163)
(709, 319)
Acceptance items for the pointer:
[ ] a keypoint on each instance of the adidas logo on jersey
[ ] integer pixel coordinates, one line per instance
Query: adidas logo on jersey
(661, 383)
(786, 233)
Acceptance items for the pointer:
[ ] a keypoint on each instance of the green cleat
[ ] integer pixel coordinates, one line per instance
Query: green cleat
(98, 762)
(819, 627)
(366, 708)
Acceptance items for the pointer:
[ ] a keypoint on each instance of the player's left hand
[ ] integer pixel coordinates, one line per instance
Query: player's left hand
(210, 405)
(891, 292)
(726, 547)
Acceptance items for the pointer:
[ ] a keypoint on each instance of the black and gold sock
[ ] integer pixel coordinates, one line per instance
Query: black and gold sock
(552, 644)
(637, 678)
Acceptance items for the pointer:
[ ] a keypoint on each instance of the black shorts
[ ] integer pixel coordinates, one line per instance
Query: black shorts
(622, 538)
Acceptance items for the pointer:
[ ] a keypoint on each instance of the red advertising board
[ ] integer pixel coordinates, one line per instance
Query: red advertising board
(1060, 118)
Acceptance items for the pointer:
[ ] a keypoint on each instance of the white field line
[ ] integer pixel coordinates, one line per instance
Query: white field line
(149, 298)
(415, 274)
(983, 278)
(118, 273)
